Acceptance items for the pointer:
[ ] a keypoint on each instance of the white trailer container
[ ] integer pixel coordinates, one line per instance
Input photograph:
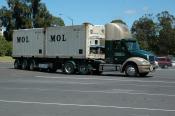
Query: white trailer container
(28, 43)
(73, 41)
(62, 42)
(59, 47)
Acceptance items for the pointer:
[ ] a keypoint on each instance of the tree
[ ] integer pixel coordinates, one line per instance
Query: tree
(22, 14)
(118, 21)
(166, 22)
(157, 36)
(35, 7)
(144, 30)
(7, 21)
(57, 21)
(5, 47)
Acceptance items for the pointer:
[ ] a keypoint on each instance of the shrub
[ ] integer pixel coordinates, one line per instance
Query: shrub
(5, 47)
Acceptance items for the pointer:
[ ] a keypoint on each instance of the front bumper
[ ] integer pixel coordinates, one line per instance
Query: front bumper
(145, 68)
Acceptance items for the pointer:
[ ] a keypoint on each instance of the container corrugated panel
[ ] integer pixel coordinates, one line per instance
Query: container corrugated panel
(28, 43)
(66, 42)
(63, 42)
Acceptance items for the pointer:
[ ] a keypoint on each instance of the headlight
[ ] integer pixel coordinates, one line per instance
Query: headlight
(144, 62)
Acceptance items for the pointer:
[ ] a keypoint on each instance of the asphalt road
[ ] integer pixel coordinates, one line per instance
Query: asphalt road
(29, 93)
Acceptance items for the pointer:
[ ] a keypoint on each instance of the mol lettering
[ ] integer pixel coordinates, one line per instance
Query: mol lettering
(54, 38)
(23, 39)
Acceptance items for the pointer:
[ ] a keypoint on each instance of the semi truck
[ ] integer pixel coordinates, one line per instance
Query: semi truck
(82, 49)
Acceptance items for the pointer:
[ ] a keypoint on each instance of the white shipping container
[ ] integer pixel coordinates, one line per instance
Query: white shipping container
(28, 43)
(66, 42)
(63, 42)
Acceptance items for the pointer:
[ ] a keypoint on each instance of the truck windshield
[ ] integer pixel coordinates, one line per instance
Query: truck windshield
(132, 45)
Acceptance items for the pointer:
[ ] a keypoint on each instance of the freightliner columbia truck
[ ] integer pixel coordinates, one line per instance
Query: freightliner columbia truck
(81, 49)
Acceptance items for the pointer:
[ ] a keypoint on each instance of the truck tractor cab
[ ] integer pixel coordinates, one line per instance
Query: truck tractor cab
(121, 49)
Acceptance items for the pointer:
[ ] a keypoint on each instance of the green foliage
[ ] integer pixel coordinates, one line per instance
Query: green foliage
(144, 30)
(156, 35)
(118, 21)
(5, 47)
(8, 48)
(7, 21)
(21, 14)
(2, 46)
(166, 32)
(57, 21)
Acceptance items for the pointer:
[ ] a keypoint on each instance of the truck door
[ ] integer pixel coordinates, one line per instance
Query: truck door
(120, 52)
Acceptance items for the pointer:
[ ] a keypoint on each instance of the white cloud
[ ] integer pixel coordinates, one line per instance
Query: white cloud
(130, 12)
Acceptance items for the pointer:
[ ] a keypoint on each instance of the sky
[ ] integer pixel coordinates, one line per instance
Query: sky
(99, 12)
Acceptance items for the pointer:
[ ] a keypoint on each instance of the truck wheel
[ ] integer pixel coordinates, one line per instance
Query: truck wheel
(83, 69)
(143, 74)
(24, 65)
(17, 64)
(131, 70)
(32, 65)
(69, 68)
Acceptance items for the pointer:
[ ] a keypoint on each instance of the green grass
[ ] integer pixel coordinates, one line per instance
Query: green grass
(6, 59)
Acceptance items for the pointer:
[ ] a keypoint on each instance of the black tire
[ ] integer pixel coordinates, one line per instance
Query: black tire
(32, 65)
(143, 74)
(131, 70)
(17, 64)
(83, 69)
(69, 68)
(24, 64)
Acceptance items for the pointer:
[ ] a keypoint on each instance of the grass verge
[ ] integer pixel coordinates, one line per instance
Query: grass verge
(6, 59)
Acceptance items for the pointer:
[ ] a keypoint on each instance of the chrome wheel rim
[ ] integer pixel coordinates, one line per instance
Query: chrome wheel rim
(69, 68)
(131, 71)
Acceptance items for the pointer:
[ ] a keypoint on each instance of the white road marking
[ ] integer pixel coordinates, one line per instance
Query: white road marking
(103, 79)
(84, 105)
(160, 69)
(65, 82)
(114, 91)
(148, 85)
(122, 92)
